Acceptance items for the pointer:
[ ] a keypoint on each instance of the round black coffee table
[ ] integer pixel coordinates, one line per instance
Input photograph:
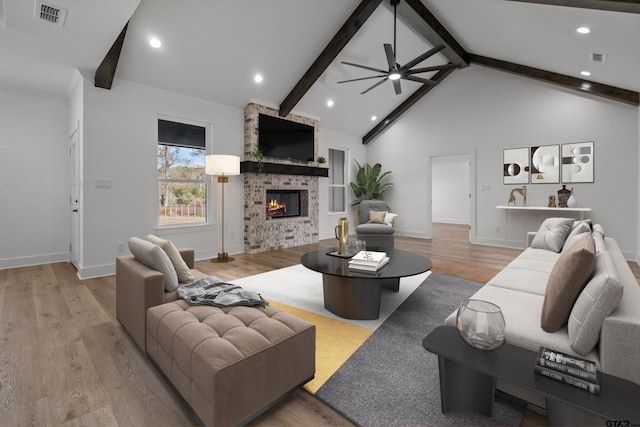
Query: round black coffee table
(355, 295)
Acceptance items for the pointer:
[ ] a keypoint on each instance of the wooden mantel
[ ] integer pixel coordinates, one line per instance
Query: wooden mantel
(284, 169)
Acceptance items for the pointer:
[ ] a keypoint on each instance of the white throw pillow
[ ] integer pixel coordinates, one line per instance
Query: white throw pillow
(552, 234)
(156, 258)
(389, 218)
(182, 269)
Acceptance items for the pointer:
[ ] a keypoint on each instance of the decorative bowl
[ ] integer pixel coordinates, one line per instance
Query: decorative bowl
(481, 324)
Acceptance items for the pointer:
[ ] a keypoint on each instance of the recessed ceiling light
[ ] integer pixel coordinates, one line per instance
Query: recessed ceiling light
(374, 118)
(583, 30)
(257, 78)
(155, 43)
(330, 103)
(585, 73)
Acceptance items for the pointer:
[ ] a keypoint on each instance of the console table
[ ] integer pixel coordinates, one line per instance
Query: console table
(468, 377)
(524, 209)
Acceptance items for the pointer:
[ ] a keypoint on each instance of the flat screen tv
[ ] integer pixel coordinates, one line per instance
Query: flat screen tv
(285, 139)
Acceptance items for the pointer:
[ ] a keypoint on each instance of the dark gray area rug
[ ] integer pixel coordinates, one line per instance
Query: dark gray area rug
(391, 380)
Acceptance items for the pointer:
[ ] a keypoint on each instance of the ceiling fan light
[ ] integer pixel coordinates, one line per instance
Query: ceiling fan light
(394, 76)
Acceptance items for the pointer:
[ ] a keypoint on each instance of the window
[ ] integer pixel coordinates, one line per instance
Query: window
(337, 181)
(182, 185)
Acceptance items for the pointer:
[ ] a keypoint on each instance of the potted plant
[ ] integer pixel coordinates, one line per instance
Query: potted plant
(370, 183)
(321, 160)
(259, 157)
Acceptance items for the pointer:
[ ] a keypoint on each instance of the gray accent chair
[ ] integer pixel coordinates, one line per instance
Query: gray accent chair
(376, 235)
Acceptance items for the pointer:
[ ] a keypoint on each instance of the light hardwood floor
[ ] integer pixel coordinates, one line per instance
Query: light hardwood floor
(65, 360)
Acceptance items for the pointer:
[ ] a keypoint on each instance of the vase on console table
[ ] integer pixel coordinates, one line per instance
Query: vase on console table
(571, 201)
(563, 196)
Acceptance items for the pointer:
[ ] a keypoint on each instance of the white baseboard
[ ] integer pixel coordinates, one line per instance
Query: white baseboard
(33, 260)
(96, 271)
(450, 221)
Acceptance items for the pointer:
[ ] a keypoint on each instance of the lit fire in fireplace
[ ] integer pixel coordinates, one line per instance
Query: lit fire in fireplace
(275, 208)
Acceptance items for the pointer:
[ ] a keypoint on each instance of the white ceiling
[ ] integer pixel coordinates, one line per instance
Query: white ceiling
(212, 48)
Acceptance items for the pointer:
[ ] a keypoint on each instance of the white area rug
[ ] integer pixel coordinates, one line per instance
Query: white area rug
(302, 288)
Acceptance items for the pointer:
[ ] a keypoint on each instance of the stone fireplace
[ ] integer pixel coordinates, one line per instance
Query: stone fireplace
(285, 181)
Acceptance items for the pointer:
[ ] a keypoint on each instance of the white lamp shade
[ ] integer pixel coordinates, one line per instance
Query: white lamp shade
(222, 164)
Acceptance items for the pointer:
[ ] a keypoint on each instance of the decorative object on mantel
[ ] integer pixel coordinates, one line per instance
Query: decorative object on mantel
(321, 160)
(563, 196)
(522, 191)
(369, 183)
(545, 164)
(577, 162)
(515, 166)
(257, 154)
(222, 165)
(552, 202)
(571, 201)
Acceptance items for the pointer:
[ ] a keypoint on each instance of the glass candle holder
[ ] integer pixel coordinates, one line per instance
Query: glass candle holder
(481, 324)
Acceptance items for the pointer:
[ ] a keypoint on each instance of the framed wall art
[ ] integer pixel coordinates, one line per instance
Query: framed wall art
(515, 166)
(577, 162)
(545, 164)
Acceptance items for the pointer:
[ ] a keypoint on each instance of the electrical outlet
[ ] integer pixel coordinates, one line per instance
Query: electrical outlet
(104, 184)
(486, 188)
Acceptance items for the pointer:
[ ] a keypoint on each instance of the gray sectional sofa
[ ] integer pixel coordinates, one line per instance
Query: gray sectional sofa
(603, 323)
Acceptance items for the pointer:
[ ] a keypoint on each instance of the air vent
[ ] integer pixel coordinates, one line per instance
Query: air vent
(599, 57)
(50, 13)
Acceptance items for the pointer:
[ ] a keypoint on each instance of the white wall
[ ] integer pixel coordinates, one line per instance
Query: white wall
(487, 110)
(34, 187)
(450, 189)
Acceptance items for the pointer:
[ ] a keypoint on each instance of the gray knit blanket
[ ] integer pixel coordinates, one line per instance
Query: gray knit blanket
(211, 291)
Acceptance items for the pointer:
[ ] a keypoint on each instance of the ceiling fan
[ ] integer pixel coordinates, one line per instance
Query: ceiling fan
(396, 72)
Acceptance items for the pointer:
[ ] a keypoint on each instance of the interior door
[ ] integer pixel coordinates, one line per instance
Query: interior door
(74, 198)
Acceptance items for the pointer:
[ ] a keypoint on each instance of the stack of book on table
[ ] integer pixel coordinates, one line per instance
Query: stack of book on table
(568, 369)
(368, 261)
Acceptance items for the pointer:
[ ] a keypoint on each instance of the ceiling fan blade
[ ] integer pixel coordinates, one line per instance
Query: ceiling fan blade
(421, 80)
(396, 86)
(422, 57)
(362, 78)
(374, 86)
(377, 70)
(433, 68)
(391, 58)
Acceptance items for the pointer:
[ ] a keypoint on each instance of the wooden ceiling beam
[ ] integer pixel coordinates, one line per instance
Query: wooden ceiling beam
(107, 69)
(627, 6)
(330, 52)
(388, 121)
(569, 82)
(416, 15)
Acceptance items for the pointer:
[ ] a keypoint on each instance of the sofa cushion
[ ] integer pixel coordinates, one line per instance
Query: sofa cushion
(155, 257)
(377, 217)
(182, 269)
(374, 229)
(552, 234)
(596, 301)
(567, 279)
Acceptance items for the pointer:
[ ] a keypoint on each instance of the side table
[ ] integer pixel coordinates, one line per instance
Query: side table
(468, 377)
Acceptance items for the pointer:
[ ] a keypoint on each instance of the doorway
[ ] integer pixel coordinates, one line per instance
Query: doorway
(452, 195)
(74, 198)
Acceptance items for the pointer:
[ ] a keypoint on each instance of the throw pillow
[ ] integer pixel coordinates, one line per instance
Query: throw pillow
(576, 233)
(552, 234)
(568, 277)
(389, 218)
(597, 300)
(377, 217)
(156, 258)
(182, 269)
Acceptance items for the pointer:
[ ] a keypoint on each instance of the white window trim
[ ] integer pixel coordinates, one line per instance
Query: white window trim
(347, 156)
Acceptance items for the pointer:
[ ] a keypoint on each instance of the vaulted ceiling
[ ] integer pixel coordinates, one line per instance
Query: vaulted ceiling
(212, 49)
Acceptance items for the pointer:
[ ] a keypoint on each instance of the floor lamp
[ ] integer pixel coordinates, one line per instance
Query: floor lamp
(222, 166)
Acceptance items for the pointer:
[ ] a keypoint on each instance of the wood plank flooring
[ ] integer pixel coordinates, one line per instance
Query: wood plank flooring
(65, 360)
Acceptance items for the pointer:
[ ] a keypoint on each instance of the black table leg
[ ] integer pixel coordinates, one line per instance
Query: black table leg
(352, 298)
(462, 388)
